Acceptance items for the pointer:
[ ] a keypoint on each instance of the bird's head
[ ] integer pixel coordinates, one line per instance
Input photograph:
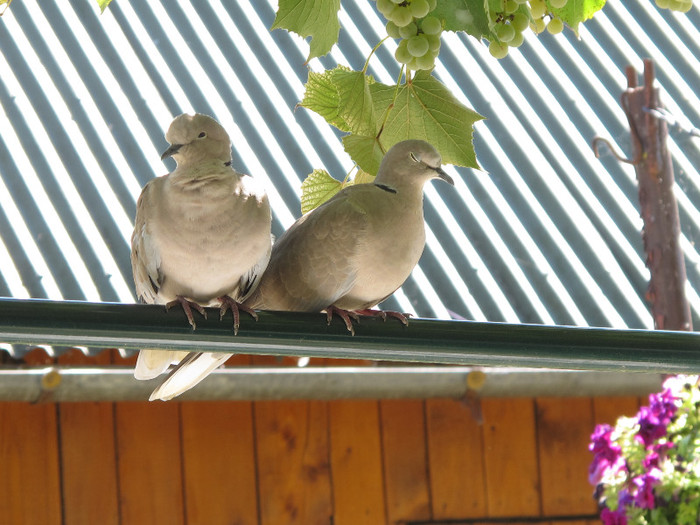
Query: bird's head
(194, 138)
(412, 163)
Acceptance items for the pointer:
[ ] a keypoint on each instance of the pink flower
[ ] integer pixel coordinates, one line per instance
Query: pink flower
(644, 498)
(609, 517)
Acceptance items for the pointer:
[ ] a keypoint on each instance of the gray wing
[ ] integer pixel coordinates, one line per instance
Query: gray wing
(314, 263)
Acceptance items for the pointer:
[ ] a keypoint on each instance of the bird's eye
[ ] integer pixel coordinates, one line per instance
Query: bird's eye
(414, 158)
(202, 135)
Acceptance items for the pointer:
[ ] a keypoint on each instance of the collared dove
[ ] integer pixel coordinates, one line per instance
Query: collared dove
(201, 238)
(356, 249)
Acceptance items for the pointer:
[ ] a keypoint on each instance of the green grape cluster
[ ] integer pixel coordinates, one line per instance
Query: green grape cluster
(519, 15)
(675, 5)
(419, 32)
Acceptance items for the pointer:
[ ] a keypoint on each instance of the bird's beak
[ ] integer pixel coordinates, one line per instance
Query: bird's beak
(444, 176)
(172, 150)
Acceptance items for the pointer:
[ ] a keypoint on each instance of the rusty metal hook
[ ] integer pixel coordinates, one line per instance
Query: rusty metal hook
(615, 154)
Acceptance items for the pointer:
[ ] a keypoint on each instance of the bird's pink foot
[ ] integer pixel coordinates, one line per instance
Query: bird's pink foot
(346, 315)
(384, 314)
(228, 303)
(187, 306)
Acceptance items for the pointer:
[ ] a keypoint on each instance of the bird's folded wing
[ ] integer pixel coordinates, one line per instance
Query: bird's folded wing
(145, 258)
(314, 262)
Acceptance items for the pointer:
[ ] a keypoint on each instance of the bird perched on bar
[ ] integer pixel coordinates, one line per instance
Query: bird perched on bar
(359, 247)
(201, 238)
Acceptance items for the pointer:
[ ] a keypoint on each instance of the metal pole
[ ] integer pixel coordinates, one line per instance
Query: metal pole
(104, 325)
(67, 384)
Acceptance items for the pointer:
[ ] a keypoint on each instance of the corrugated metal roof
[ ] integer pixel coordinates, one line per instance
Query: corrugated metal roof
(545, 234)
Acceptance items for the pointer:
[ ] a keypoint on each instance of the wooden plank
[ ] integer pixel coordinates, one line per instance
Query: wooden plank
(30, 490)
(293, 477)
(356, 463)
(219, 463)
(88, 454)
(510, 457)
(608, 409)
(405, 460)
(564, 426)
(149, 463)
(455, 451)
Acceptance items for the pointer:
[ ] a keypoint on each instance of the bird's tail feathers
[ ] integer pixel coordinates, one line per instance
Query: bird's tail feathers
(191, 370)
(152, 363)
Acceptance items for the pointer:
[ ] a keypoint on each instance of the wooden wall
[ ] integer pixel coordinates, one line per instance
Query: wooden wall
(299, 462)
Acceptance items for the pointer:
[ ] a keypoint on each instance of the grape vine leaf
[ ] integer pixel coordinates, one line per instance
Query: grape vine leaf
(464, 15)
(343, 98)
(6, 3)
(317, 19)
(426, 109)
(577, 11)
(378, 115)
(366, 151)
(317, 188)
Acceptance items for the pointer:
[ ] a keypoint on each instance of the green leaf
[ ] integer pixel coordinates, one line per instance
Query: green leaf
(317, 19)
(365, 151)
(317, 188)
(362, 177)
(5, 3)
(378, 116)
(343, 98)
(577, 11)
(426, 109)
(322, 96)
(464, 15)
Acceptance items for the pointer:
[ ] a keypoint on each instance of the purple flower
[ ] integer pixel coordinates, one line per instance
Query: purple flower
(606, 454)
(651, 427)
(663, 405)
(644, 497)
(601, 445)
(609, 517)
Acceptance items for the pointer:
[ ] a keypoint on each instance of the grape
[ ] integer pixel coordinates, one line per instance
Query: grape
(520, 22)
(401, 54)
(520, 2)
(558, 4)
(498, 50)
(537, 8)
(385, 7)
(409, 30)
(397, 2)
(418, 45)
(510, 7)
(419, 8)
(392, 30)
(505, 33)
(434, 43)
(555, 25)
(401, 16)
(431, 25)
(538, 26)
(517, 40)
(427, 61)
(663, 4)
(432, 4)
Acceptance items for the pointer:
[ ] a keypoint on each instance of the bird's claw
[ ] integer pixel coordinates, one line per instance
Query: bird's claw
(346, 315)
(228, 303)
(402, 317)
(187, 306)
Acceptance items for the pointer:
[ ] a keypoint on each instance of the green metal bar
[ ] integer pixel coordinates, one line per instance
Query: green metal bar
(107, 325)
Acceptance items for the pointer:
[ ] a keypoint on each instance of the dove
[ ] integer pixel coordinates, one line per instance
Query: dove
(201, 238)
(357, 248)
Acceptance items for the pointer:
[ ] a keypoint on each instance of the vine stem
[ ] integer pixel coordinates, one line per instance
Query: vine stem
(374, 49)
(391, 106)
